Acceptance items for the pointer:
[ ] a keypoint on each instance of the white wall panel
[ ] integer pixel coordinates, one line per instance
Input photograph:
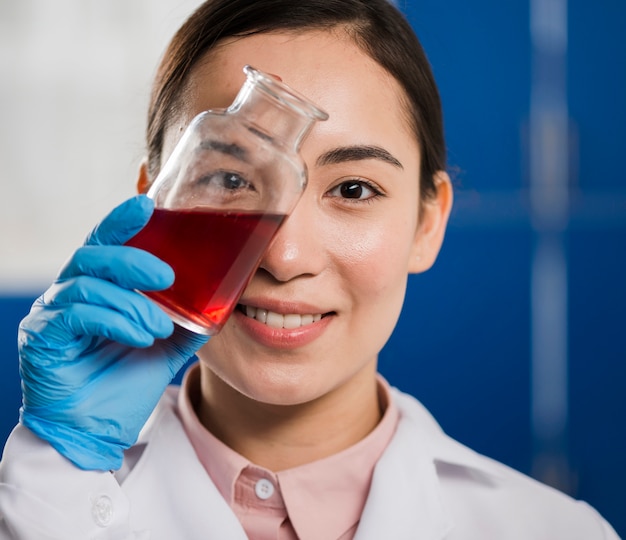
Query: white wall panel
(74, 84)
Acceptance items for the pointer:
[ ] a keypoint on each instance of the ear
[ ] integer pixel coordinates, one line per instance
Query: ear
(432, 225)
(143, 179)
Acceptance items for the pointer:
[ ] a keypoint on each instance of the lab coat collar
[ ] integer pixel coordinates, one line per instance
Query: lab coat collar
(406, 500)
(440, 447)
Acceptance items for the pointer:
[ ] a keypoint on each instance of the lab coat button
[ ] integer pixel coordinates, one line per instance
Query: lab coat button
(264, 489)
(102, 510)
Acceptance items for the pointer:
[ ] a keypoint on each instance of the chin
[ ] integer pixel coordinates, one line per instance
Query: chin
(280, 389)
(287, 379)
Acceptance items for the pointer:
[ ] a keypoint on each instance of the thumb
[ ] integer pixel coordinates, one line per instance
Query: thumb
(122, 223)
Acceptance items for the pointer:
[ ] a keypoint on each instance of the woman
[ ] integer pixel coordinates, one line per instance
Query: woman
(283, 429)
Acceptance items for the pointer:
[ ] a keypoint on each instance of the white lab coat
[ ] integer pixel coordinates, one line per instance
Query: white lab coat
(426, 486)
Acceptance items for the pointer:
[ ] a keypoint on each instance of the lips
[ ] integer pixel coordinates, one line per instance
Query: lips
(279, 320)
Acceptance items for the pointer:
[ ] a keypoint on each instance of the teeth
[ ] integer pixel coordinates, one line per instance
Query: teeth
(277, 320)
(292, 321)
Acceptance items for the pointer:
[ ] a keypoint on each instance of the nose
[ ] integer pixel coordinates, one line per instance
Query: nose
(297, 249)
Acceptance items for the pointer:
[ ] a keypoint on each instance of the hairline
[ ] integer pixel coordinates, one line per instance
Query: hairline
(349, 29)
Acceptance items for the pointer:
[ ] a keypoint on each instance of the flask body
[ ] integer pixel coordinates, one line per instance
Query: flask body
(231, 181)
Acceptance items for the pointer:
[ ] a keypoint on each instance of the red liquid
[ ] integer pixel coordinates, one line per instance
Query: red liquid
(213, 254)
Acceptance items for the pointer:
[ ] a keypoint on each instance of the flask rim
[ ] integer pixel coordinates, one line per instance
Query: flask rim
(283, 93)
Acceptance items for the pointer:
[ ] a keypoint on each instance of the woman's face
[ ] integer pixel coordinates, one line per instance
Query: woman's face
(345, 252)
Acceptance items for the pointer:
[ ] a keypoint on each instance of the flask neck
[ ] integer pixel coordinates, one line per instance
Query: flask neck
(274, 110)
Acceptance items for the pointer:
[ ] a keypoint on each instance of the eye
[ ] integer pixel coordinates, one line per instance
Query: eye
(227, 180)
(355, 189)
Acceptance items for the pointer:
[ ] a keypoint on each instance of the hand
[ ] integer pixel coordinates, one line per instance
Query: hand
(95, 355)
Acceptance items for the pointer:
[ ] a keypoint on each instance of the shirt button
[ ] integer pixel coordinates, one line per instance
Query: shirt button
(102, 510)
(264, 489)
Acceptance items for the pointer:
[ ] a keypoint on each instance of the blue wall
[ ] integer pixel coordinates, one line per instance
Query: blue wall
(12, 309)
(470, 362)
(463, 344)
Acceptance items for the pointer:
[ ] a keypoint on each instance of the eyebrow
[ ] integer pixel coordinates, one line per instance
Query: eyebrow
(229, 149)
(357, 153)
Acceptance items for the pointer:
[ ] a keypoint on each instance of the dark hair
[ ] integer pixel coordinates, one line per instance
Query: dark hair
(376, 26)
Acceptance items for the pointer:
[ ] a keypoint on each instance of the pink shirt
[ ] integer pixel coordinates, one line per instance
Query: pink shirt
(323, 499)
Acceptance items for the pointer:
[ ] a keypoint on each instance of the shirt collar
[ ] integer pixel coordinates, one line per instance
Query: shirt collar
(337, 487)
(326, 496)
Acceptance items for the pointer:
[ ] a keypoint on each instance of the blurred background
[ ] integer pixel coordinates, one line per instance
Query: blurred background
(516, 339)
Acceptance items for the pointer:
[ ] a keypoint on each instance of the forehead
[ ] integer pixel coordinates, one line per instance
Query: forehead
(363, 100)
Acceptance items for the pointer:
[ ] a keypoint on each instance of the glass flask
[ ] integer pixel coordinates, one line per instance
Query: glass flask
(229, 184)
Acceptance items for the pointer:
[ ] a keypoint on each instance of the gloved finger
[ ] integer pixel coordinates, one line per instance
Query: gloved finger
(95, 321)
(84, 319)
(128, 267)
(130, 304)
(123, 222)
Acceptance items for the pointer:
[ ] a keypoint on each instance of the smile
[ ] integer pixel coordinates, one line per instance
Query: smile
(278, 320)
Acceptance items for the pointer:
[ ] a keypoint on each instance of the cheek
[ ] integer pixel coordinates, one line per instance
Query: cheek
(374, 278)
(374, 256)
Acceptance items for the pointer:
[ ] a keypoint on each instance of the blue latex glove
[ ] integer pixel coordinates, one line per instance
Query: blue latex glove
(95, 355)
